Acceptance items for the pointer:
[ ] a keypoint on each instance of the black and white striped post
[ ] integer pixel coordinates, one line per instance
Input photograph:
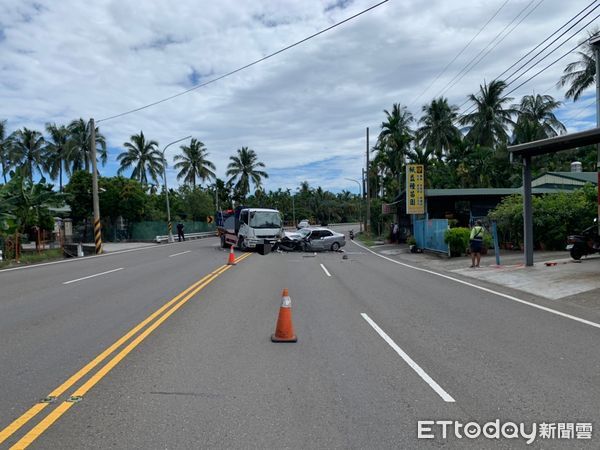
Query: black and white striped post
(95, 200)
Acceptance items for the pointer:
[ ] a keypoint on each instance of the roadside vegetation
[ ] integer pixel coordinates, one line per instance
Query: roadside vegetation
(458, 151)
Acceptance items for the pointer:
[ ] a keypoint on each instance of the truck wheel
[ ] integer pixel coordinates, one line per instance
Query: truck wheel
(576, 253)
(242, 245)
(335, 247)
(223, 243)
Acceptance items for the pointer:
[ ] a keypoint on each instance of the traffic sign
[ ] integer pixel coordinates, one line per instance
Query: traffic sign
(210, 219)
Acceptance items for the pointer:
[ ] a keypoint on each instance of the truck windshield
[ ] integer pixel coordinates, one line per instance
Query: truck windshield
(265, 219)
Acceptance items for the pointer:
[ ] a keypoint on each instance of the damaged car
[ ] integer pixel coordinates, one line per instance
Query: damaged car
(312, 239)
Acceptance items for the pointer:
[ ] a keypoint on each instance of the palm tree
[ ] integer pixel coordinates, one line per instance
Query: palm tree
(244, 168)
(536, 120)
(580, 74)
(56, 152)
(395, 136)
(488, 123)
(79, 152)
(4, 150)
(144, 155)
(27, 151)
(193, 163)
(437, 131)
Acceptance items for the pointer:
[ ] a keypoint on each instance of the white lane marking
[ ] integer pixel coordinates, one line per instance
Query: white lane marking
(118, 252)
(491, 291)
(436, 387)
(181, 253)
(92, 276)
(325, 270)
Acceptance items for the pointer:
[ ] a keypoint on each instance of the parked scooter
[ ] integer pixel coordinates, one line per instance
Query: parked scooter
(586, 243)
(351, 235)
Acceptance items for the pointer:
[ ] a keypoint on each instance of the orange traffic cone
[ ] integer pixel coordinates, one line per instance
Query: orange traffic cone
(231, 261)
(284, 332)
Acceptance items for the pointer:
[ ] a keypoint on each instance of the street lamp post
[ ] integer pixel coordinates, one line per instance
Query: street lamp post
(360, 204)
(169, 224)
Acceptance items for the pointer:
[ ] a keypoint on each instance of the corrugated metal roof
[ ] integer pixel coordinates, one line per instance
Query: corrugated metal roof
(586, 177)
(482, 192)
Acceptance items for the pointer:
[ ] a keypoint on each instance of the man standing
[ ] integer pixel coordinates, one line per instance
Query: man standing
(476, 243)
(180, 232)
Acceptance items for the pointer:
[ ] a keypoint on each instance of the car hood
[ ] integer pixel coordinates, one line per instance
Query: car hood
(293, 236)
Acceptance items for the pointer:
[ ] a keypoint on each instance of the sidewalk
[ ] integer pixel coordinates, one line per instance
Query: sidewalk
(563, 278)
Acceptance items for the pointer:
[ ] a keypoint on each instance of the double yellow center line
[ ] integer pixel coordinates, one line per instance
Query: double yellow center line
(162, 313)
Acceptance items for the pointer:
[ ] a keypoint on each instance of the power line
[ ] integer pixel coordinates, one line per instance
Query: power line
(546, 56)
(555, 49)
(584, 109)
(546, 68)
(264, 58)
(545, 40)
(474, 61)
(459, 53)
(504, 37)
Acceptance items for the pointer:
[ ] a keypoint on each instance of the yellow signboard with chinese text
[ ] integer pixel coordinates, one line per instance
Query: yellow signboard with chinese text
(415, 189)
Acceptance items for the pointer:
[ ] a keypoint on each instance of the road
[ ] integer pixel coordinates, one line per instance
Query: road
(381, 346)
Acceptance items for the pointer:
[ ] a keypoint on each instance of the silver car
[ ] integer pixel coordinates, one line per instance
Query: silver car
(319, 238)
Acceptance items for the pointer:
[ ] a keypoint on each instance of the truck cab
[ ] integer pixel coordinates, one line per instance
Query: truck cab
(249, 227)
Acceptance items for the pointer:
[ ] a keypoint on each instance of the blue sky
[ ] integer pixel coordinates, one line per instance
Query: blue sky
(304, 111)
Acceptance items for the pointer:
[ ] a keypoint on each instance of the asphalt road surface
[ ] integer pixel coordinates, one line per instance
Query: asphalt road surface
(167, 347)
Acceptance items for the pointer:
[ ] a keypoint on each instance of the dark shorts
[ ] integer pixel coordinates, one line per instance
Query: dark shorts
(476, 245)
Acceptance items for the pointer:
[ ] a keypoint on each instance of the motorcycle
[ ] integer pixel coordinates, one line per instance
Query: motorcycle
(351, 235)
(586, 243)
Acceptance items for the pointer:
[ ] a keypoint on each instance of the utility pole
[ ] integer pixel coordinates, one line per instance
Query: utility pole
(95, 200)
(169, 223)
(293, 211)
(368, 190)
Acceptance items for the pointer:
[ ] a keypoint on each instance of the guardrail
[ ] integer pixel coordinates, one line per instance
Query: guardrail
(202, 235)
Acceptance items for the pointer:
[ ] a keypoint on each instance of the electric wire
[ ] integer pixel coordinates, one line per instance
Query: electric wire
(478, 57)
(545, 40)
(264, 58)
(459, 53)
(555, 49)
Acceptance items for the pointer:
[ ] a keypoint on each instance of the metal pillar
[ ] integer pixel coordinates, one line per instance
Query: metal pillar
(596, 45)
(95, 199)
(527, 212)
(368, 191)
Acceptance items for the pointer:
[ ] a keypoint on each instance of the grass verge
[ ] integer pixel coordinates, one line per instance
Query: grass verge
(32, 258)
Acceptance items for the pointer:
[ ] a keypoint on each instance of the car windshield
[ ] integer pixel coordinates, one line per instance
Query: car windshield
(304, 232)
(265, 219)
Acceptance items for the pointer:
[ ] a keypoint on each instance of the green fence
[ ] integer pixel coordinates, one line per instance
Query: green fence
(147, 231)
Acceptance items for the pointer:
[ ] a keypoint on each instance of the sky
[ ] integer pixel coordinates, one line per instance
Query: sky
(305, 111)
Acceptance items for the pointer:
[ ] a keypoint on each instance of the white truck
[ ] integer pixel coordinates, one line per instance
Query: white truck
(248, 228)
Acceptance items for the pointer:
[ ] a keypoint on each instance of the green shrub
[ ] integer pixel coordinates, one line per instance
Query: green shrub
(554, 216)
(457, 239)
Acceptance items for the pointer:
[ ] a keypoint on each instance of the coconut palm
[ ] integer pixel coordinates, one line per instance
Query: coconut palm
(244, 168)
(395, 136)
(26, 151)
(144, 156)
(4, 150)
(437, 131)
(79, 150)
(489, 122)
(580, 75)
(536, 120)
(56, 152)
(193, 163)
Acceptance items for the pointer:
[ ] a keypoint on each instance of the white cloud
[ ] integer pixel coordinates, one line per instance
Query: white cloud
(306, 107)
